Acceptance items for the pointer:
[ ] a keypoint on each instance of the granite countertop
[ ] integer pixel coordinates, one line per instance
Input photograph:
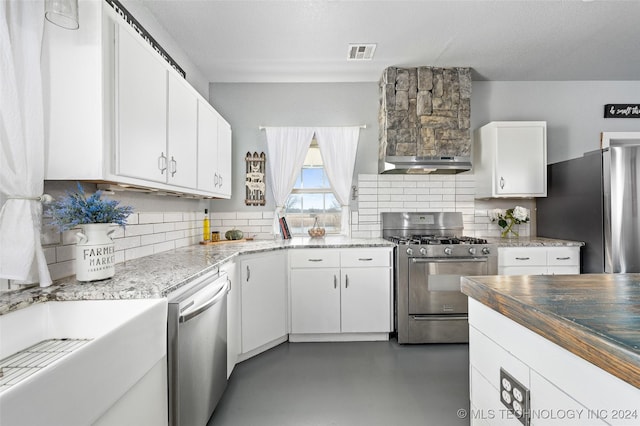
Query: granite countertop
(594, 316)
(533, 242)
(159, 274)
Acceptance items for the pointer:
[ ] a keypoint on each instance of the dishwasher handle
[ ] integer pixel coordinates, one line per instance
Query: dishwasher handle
(197, 310)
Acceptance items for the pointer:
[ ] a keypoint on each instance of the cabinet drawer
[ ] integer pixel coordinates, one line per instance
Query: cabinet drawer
(314, 258)
(563, 256)
(365, 258)
(522, 256)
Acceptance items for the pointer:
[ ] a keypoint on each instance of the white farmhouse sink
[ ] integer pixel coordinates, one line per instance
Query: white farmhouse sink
(126, 338)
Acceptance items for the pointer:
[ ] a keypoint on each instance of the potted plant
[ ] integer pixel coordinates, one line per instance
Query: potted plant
(507, 218)
(95, 250)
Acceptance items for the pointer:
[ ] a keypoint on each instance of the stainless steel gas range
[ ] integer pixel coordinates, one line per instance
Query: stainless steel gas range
(431, 256)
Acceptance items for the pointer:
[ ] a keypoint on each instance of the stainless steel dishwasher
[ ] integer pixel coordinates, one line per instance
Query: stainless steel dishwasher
(197, 349)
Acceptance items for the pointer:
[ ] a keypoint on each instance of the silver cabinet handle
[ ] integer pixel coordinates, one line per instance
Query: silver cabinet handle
(501, 182)
(315, 260)
(162, 163)
(215, 180)
(335, 281)
(174, 166)
(346, 281)
(248, 273)
(563, 258)
(220, 181)
(365, 259)
(523, 258)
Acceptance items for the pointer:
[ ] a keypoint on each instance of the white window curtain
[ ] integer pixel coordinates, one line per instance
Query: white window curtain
(21, 142)
(286, 150)
(338, 146)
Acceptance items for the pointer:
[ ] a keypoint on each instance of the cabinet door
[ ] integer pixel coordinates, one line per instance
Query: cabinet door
(141, 111)
(207, 147)
(366, 300)
(233, 316)
(182, 124)
(224, 159)
(521, 160)
(264, 308)
(315, 300)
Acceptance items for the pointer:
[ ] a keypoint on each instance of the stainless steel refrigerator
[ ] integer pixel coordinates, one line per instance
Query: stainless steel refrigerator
(596, 199)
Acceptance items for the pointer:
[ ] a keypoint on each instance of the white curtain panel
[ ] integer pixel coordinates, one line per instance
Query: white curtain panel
(286, 150)
(21, 142)
(338, 146)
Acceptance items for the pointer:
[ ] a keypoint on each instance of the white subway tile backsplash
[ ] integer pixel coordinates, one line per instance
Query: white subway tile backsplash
(172, 217)
(61, 269)
(150, 218)
(137, 252)
(156, 232)
(249, 215)
(133, 230)
(64, 253)
(162, 247)
(403, 184)
(235, 222)
(126, 243)
(163, 227)
(152, 239)
(223, 215)
(50, 254)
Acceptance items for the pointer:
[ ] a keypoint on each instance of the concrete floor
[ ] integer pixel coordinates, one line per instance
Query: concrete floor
(355, 383)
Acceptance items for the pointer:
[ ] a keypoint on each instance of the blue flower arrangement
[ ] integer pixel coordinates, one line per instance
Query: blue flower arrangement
(76, 209)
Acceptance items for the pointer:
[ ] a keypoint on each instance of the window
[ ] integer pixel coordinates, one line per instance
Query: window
(312, 197)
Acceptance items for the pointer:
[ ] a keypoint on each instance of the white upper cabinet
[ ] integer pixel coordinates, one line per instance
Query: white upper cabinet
(224, 158)
(207, 147)
(510, 159)
(214, 152)
(141, 111)
(117, 112)
(182, 133)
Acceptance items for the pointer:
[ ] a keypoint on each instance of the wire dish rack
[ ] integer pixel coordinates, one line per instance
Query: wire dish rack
(17, 367)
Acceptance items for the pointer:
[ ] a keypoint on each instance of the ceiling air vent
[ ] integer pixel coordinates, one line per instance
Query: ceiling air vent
(361, 52)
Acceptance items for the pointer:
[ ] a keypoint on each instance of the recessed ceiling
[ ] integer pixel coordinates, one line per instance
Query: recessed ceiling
(305, 40)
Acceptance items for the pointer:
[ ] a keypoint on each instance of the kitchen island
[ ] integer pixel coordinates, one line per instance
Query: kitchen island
(572, 342)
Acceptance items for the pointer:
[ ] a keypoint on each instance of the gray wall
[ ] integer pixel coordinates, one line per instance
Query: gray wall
(573, 111)
(248, 106)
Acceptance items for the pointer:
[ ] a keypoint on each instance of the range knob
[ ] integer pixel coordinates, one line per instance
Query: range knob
(423, 251)
(472, 250)
(447, 250)
(485, 250)
(409, 251)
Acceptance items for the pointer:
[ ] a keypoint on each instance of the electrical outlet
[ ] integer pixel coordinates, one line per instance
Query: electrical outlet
(515, 397)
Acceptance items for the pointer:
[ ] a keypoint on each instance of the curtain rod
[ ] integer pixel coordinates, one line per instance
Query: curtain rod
(362, 126)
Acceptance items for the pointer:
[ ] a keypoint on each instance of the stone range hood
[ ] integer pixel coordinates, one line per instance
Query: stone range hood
(424, 120)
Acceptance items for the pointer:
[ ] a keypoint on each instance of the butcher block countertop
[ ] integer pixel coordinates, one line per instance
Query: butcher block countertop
(594, 316)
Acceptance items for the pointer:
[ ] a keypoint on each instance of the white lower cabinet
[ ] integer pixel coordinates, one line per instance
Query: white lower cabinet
(340, 294)
(564, 389)
(234, 331)
(263, 283)
(538, 260)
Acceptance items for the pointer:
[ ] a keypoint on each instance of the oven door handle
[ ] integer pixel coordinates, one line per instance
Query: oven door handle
(448, 260)
(439, 317)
